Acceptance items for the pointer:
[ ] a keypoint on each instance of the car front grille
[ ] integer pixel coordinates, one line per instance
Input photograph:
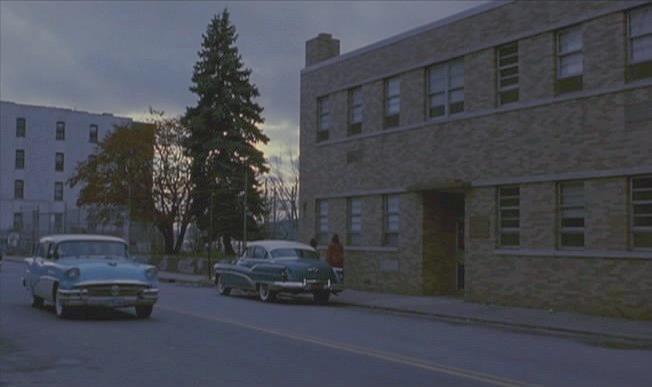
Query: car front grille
(114, 290)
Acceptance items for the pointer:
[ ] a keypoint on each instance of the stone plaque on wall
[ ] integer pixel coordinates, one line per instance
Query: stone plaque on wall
(479, 227)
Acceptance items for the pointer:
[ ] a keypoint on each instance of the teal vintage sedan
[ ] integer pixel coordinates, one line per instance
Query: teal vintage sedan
(272, 267)
(73, 271)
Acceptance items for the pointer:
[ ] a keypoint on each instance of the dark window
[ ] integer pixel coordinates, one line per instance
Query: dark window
(57, 222)
(391, 219)
(392, 102)
(58, 191)
(509, 216)
(355, 111)
(570, 60)
(21, 127)
(20, 159)
(571, 214)
(322, 221)
(18, 221)
(19, 189)
(354, 224)
(508, 73)
(61, 131)
(446, 88)
(641, 212)
(92, 134)
(58, 162)
(640, 43)
(323, 118)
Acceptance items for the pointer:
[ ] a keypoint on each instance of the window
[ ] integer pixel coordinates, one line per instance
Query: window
(58, 191)
(20, 127)
(20, 159)
(570, 60)
(354, 226)
(324, 119)
(355, 111)
(641, 212)
(446, 88)
(61, 131)
(260, 253)
(19, 189)
(18, 221)
(92, 134)
(322, 221)
(640, 43)
(507, 73)
(509, 216)
(571, 214)
(391, 212)
(58, 162)
(392, 102)
(57, 221)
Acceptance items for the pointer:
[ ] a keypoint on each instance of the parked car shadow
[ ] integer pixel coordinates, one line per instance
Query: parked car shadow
(95, 314)
(283, 299)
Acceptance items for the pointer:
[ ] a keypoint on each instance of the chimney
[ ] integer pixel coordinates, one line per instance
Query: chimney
(321, 48)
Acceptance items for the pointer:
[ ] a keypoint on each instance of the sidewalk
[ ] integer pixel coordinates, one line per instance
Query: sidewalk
(456, 310)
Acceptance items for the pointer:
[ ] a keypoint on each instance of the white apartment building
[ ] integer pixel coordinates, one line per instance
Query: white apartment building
(40, 148)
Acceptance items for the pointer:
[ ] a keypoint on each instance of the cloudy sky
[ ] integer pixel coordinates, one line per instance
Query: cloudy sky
(123, 57)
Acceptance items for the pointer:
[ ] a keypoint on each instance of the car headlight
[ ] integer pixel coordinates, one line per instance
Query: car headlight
(72, 274)
(151, 272)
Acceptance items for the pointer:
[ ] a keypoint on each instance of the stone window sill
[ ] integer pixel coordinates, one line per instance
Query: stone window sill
(607, 254)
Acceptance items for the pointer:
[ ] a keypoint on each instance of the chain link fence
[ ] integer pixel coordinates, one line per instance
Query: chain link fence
(30, 225)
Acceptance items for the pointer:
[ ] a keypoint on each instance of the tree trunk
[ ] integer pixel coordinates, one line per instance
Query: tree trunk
(181, 237)
(167, 231)
(228, 247)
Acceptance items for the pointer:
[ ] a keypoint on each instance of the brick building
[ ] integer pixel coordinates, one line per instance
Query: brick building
(505, 151)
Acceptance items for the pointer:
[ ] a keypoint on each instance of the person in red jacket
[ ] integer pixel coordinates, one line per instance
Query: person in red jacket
(335, 252)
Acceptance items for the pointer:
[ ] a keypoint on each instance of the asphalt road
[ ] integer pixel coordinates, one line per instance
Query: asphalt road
(197, 338)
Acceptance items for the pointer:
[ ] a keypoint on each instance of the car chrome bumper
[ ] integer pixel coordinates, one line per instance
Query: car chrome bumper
(80, 297)
(306, 286)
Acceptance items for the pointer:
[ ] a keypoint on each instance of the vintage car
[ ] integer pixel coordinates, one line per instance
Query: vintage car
(272, 267)
(74, 271)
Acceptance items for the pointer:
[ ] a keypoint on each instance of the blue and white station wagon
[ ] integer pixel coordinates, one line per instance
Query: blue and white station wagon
(73, 271)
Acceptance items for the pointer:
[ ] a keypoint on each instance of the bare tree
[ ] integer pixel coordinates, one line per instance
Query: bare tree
(172, 187)
(283, 189)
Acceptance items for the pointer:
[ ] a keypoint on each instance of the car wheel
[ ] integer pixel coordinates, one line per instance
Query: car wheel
(144, 311)
(223, 290)
(321, 298)
(37, 302)
(265, 294)
(60, 309)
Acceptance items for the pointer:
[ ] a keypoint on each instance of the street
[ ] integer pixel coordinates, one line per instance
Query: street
(197, 338)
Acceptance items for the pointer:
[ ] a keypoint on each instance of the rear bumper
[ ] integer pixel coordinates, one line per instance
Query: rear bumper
(305, 286)
(80, 297)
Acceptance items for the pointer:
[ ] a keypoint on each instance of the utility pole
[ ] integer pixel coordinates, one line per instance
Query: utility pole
(244, 211)
(210, 235)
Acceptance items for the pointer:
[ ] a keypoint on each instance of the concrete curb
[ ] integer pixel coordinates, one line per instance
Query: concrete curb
(543, 329)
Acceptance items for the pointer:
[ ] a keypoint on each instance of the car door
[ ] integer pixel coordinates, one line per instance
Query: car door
(241, 277)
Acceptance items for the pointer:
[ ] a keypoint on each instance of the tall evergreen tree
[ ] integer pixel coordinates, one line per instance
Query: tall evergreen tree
(224, 131)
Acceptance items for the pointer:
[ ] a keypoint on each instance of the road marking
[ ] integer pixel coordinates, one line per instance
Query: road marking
(387, 356)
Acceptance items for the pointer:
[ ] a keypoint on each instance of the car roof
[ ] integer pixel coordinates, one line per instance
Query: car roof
(80, 237)
(280, 244)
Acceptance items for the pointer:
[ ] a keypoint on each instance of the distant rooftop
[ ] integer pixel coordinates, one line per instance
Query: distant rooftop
(62, 108)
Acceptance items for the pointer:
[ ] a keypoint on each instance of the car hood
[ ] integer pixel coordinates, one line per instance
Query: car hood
(108, 269)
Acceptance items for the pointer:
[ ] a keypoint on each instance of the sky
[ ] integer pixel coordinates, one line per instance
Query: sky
(123, 57)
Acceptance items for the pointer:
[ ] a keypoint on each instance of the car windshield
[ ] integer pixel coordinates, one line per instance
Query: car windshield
(104, 249)
(298, 253)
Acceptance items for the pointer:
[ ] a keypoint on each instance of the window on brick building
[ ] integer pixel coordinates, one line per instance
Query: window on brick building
(20, 159)
(391, 219)
(354, 221)
(58, 191)
(58, 162)
(509, 216)
(323, 118)
(322, 221)
(19, 189)
(61, 131)
(21, 127)
(570, 60)
(572, 213)
(355, 111)
(508, 78)
(57, 222)
(641, 212)
(446, 88)
(392, 102)
(92, 134)
(640, 43)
